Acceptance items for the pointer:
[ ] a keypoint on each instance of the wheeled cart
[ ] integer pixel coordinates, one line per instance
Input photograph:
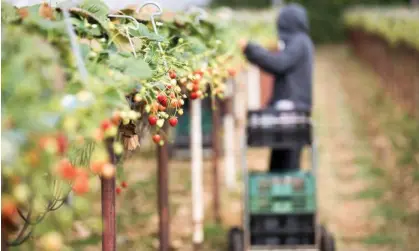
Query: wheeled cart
(279, 209)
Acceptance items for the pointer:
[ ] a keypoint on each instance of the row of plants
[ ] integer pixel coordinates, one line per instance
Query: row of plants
(395, 25)
(76, 88)
(393, 174)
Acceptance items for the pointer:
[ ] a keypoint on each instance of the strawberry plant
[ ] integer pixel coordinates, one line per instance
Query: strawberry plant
(57, 121)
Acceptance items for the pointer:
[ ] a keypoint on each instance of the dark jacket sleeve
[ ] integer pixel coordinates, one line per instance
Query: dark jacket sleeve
(275, 62)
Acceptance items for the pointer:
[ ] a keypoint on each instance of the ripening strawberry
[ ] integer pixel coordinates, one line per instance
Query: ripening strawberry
(199, 72)
(45, 142)
(194, 95)
(82, 172)
(97, 166)
(174, 103)
(118, 190)
(62, 143)
(232, 72)
(66, 170)
(173, 121)
(106, 124)
(172, 74)
(195, 81)
(124, 184)
(162, 108)
(46, 11)
(23, 12)
(156, 138)
(8, 207)
(81, 185)
(116, 118)
(152, 120)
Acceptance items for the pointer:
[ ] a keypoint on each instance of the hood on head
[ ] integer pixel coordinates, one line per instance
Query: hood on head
(292, 19)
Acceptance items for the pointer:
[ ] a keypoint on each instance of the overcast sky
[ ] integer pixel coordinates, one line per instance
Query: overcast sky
(118, 4)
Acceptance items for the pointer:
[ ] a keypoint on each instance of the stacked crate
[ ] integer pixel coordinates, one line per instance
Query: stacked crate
(282, 208)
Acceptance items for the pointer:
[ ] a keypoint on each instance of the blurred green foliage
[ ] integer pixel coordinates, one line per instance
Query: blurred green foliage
(325, 15)
(394, 25)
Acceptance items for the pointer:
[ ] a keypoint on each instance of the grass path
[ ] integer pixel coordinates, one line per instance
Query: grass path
(339, 178)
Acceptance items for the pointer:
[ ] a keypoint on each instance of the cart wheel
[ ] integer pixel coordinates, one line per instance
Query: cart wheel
(235, 239)
(327, 241)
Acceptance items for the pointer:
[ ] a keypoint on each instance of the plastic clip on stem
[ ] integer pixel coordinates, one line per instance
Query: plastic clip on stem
(153, 22)
(137, 26)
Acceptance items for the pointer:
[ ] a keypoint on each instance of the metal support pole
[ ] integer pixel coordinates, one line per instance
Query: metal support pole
(163, 195)
(197, 174)
(216, 122)
(108, 205)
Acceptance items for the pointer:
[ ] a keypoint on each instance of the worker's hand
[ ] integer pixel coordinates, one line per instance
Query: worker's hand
(243, 44)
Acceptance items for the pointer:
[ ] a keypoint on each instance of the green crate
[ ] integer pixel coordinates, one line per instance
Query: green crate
(292, 192)
(184, 124)
(275, 184)
(292, 204)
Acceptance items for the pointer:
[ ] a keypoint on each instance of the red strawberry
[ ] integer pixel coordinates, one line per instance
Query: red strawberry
(62, 143)
(195, 88)
(172, 74)
(118, 190)
(152, 120)
(67, 170)
(162, 100)
(173, 121)
(106, 124)
(194, 95)
(156, 138)
(199, 72)
(81, 185)
(124, 184)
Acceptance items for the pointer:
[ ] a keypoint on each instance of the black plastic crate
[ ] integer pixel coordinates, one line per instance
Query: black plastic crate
(278, 129)
(282, 224)
(283, 240)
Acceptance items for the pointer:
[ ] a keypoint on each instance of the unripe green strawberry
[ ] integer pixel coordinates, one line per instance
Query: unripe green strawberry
(160, 123)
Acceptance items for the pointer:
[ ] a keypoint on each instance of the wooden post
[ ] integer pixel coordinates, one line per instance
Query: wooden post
(3, 238)
(215, 159)
(108, 205)
(163, 195)
(197, 174)
(229, 136)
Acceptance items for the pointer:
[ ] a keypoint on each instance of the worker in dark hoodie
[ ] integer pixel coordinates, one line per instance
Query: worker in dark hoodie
(292, 68)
